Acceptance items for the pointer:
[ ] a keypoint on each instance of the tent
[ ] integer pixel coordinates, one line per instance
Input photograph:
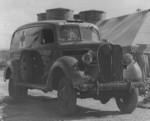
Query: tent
(132, 32)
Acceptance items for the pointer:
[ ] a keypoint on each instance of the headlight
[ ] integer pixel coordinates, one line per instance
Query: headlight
(87, 58)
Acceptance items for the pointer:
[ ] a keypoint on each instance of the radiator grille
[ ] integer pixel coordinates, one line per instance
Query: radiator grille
(110, 63)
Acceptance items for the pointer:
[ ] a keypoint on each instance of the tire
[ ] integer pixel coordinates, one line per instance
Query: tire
(128, 102)
(16, 92)
(66, 97)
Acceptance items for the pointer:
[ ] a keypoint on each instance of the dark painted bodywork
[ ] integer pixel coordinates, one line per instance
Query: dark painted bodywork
(65, 57)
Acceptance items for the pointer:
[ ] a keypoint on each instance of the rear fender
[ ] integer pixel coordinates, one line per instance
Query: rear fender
(67, 66)
(7, 73)
(9, 68)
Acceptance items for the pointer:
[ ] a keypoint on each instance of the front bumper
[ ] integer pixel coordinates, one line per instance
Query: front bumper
(110, 86)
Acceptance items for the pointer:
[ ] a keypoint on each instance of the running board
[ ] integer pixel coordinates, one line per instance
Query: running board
(32, 86)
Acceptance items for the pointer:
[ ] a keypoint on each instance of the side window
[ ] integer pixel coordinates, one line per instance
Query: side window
(15, 42)
(47, 36)
(32, 36)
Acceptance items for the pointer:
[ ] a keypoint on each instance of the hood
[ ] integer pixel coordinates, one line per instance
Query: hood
(80, 45)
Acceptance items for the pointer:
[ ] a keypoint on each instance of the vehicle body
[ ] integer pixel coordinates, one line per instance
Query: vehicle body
(70, 57)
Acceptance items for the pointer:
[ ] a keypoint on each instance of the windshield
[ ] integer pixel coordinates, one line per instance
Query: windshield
(74, 33)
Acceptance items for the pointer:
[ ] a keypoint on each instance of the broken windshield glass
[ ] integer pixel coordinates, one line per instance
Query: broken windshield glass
(67, 33)
(74, 33)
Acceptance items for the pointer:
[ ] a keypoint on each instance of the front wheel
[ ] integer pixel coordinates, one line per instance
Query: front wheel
(128, 102)
(66, 97)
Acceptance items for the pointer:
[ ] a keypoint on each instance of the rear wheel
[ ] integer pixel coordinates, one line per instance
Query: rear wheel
(66, 97)
(128, 102)
(15, 92)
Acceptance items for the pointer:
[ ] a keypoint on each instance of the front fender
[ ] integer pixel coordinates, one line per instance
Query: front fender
(67, 65)
(133, 71)
(8, 69)
(7, 72)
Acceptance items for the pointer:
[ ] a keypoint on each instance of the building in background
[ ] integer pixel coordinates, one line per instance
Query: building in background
(56, 14)
(59, 14)
(91, 16)
(41, 16)
(76, 16)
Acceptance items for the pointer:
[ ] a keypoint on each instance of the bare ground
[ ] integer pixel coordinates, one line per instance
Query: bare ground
(43, 107)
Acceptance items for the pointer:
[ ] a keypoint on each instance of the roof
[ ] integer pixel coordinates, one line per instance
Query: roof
(58, 22)
(127, 30)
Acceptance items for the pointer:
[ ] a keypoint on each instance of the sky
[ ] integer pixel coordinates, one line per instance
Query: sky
(14, 13)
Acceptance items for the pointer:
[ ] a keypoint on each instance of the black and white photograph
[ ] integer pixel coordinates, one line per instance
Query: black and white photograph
(74, 60)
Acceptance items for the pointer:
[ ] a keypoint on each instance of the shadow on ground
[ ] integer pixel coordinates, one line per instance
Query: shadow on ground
(40, 107)
(144, 105)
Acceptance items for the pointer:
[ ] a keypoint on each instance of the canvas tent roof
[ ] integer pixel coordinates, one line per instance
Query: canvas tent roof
(128, 30)
(132, 32)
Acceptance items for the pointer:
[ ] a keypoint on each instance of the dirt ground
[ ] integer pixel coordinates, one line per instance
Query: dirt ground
(41, 106)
